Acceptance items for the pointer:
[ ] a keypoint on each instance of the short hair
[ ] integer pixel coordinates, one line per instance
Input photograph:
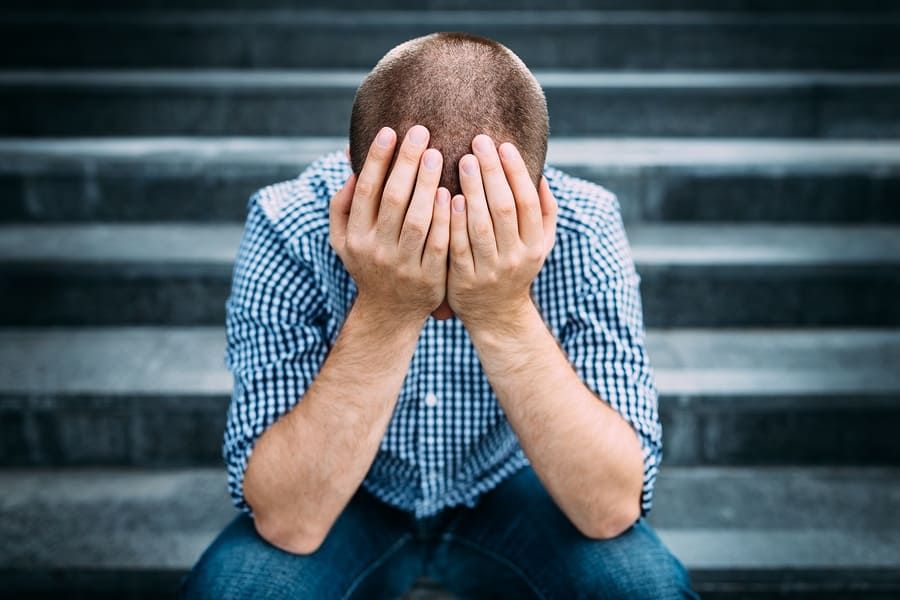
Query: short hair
(457, 85)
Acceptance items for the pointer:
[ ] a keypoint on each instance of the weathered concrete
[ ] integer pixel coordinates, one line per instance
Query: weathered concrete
(691, 275)
(158, 396)
(289, 103)
(578, 39)
(782, 525)
(191, 179)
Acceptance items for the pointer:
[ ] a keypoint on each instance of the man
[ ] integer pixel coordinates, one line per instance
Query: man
(438, 358)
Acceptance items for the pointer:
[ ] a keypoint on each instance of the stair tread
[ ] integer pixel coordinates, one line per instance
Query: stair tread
(188, 361)
(209, 79)
(830, 156)
(214, 245)
(718, 518)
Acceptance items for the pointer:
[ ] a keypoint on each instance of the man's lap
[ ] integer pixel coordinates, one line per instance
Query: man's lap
(514, 543)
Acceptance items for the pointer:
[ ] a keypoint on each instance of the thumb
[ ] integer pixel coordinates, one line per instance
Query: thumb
(339, 212)
(548, 214)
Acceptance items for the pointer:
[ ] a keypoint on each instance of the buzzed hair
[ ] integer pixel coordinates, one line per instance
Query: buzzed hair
(457, 85)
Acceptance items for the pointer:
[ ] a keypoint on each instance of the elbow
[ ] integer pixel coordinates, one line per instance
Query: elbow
(279, 532)
(613, 523)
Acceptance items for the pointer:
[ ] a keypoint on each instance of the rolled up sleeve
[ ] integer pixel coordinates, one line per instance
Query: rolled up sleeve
(604, 339)
(276, 341)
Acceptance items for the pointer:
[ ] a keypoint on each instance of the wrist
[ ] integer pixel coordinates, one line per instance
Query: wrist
(515, 319)
(389, 319)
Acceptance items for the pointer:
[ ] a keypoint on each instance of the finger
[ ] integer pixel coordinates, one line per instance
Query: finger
(399, 187)
(434, 257)
(414, 230)
(461, 259)
(481, 228)
(549, 211)
(527, 201)
(339, 212)
(369, 183)
(500, 199)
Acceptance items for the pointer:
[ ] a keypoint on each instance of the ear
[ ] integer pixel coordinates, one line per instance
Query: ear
(347, 151)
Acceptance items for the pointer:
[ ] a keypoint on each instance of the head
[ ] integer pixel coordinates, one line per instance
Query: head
(457, 85)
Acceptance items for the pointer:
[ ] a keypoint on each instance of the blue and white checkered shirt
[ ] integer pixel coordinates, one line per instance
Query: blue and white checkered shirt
(448, 441)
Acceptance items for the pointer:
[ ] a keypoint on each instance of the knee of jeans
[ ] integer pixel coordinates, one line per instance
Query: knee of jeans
(238, 564)
(637, 565)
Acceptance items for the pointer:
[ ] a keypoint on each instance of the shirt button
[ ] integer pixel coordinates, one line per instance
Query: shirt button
(431, 399)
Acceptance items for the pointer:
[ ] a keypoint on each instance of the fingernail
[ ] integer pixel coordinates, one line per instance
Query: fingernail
(469, 164)
(432, 159)
(482, 143)
(384, 137)
(418, 135)
(507, 151)
(459, 203)
(443, 196)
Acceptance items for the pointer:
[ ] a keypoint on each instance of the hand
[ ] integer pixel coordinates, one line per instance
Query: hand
(394, 247)
(501, 231)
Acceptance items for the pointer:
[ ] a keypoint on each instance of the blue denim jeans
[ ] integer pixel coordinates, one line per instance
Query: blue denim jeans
(515, 543)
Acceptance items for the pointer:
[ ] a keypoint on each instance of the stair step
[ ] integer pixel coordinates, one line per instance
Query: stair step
(656, 180)
(571, 39)
(739, 530)
(290, 103)
(158, 395)
(752, 6)
(693, 275)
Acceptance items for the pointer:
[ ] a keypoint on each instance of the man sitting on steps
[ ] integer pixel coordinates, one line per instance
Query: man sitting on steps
(437, 345)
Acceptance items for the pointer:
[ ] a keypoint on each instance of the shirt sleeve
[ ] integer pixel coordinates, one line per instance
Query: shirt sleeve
(276, 341)
(604, 339)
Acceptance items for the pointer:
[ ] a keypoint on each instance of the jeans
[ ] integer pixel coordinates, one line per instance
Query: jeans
(515, 543)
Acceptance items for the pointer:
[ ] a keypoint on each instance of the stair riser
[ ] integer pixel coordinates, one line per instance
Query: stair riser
(807, 111)
(648, 42)
(175, 430)
(672, 296)
(86, 192)
(757, 6)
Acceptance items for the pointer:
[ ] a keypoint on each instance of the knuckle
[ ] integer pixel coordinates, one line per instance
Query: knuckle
(410, 154)
(506, 210)
(381, 257)
(393, 197)
(534, 253)
(482, 229)
(416, 230)
(354, 245)
(364, 188)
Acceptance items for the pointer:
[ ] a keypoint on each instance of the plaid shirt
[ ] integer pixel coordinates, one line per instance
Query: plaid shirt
(449, 440)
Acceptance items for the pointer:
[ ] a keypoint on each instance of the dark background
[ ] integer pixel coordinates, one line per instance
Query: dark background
(754, 149)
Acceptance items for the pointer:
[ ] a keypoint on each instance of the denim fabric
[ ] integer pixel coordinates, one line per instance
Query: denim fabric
(514, 543)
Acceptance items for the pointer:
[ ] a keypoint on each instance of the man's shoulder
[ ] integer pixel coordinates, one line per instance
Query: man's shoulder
(298, 208)
(584, 207)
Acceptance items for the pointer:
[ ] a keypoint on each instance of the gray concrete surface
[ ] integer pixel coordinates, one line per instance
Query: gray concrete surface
(580, 39)
(290, 103)
(656, 180)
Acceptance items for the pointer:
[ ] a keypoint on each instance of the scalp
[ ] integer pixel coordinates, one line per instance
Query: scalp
(457, 85)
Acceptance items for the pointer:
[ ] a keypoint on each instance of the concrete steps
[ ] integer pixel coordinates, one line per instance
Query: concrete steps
(754, 146)
(157, 396)
(317, 103)
(559, 39)
(692, 275)
(733, 527)
(657, 180)
(851, 7)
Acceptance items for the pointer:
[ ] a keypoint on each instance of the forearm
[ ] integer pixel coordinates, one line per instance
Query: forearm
(588, 457)
(308, 464)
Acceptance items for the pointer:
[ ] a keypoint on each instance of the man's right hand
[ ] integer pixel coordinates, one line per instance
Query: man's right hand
(394, 242)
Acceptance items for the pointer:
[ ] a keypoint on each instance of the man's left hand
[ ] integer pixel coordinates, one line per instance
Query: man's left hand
(501, 230)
